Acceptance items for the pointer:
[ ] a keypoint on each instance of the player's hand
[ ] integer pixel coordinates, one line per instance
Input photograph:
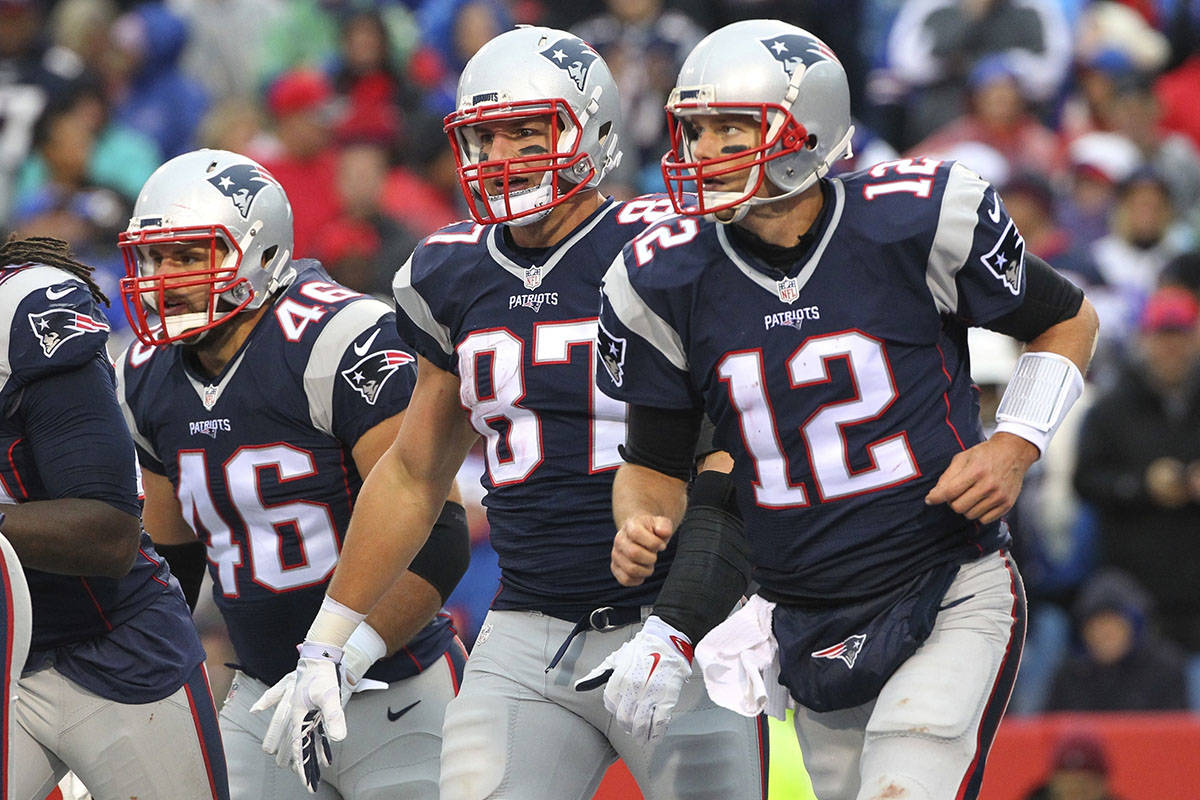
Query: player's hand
(308, 713)
(982, 483)
(636, 547)
(643, 679)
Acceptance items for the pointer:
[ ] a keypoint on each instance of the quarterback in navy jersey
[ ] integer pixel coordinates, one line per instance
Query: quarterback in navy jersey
(113, 684)
(821, 324)
(258, 404)
(502, 313)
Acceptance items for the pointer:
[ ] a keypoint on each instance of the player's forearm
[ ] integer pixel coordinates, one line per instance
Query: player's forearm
(1074, 338)
(639, 491)
(73, 536)
(405, 608)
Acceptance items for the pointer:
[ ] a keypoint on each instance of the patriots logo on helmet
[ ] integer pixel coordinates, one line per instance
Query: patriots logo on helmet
(1007, 259)
(847, 651)
(57, 325)
(241, 183)
(792, 50)
(573, 55)
(368, 376)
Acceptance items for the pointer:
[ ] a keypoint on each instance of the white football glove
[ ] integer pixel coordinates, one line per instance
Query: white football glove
(363, 648)
(644, 678)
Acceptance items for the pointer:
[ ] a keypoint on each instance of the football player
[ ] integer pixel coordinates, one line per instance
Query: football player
(113, 686)
(16, 623)
(260, 394)
(502, 313)
(822, 325)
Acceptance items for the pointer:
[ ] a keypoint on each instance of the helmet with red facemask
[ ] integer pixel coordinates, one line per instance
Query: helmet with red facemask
(794, 88)
(204, 198)
(534, 72)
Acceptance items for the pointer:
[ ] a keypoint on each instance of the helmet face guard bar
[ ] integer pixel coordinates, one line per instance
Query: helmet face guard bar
(680, 168)
(142, 293)
(473, 175)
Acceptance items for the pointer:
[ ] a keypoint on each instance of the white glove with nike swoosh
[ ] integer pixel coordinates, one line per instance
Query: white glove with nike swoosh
(644, 678)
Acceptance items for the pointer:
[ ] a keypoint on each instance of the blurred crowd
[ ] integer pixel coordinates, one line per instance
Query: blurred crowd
(1086, 116)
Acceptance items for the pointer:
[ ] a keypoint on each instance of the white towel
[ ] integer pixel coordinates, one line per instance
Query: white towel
(739, 660)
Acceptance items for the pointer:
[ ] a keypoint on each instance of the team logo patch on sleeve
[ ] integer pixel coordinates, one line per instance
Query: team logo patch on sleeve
(612, 353)
(57, 325)
(574, 56)
(368, 376)
(1007, 259)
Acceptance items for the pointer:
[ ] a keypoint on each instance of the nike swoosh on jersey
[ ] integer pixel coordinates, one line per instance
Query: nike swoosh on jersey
(361, 349)
(994, 212)
(53, 295)
(395, 715)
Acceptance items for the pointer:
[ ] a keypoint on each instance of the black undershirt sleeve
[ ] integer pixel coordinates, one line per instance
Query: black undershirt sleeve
(1049, 299)
(662, 439)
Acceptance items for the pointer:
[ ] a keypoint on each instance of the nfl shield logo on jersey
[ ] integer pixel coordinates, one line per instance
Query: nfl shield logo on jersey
(1007, 259)
(612, 354)
(533, 277)
(847, 651)
(55, 326)
(788, 290)
(370, 374)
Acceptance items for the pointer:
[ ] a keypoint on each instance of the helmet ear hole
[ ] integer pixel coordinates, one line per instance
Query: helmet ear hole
(604, 129)
(811, 142)
(269, 255)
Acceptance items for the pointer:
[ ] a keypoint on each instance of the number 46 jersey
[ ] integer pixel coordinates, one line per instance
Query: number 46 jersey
(518, 328)
(841, 386)
(260, 458)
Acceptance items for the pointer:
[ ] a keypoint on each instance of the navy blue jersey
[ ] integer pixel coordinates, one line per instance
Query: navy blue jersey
(518, 328)
(260, 457)
(841, 387)
(129, 639)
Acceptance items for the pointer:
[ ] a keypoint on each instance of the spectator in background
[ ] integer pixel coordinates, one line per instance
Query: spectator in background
(300, 103)
(1139, 463)
(1031, 202)
(79, 30)
(644, 44)
(934, 45)
(1183, 270)
(1098, 163)
(1176, 89)
(1079, 771)
(146, 86)
(1123, 665)
(226, 50)
(31, 73)
(451, 31)
(998, 115)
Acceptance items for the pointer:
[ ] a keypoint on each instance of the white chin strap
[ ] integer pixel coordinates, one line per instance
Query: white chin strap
(177, 324)
(525, 200)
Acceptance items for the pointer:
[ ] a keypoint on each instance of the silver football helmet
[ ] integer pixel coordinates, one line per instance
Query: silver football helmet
(204, 197)
(795, 88)
(535, 72)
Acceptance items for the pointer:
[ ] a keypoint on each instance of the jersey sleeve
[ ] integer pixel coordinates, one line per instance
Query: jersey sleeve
(640, 354)
(127, 395)
(976, 267)
(79, 441)
(54, 324)
(358, 372)
(415, 319)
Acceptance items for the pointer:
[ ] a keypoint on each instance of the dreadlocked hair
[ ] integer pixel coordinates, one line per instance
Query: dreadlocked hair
(51, 252)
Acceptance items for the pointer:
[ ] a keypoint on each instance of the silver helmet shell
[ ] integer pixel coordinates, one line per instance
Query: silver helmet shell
(791, 83)
(531, 72)
(205, 197)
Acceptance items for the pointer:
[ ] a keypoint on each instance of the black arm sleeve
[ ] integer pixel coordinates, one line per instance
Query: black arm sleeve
(663, 440)
(1049, 299)
(78, 436)
(712, 566)
(187, 563)
(444, 558)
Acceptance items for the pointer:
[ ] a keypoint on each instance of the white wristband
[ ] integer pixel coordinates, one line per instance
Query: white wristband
(333, 624)
(364, 647)
(1043, 388)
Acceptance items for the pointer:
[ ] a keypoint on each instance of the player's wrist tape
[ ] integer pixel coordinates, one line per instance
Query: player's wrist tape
(333, 624)
(1043, 388)
(364, 647)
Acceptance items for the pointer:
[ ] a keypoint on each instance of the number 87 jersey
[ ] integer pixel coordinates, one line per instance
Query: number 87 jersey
(518, 329)
(840, 384)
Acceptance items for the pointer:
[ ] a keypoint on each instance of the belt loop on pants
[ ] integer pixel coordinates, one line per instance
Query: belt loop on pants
(602, 620)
